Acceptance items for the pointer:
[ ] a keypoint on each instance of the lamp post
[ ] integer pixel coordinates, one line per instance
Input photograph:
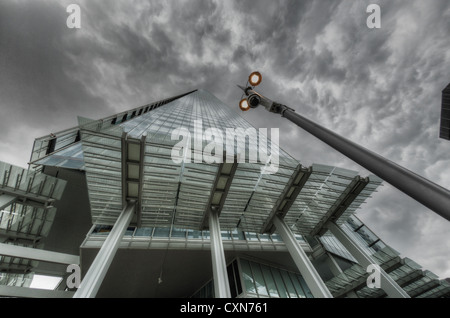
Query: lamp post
(420, 189)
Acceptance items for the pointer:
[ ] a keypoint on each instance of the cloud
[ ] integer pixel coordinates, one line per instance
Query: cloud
(378, 87)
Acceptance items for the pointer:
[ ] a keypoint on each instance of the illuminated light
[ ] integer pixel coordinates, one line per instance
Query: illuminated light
(243, 105)
(255, 78)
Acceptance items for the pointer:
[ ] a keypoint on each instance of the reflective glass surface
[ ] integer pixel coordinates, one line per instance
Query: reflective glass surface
(177, 193)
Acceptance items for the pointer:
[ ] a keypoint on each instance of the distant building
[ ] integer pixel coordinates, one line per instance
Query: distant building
(445, 114)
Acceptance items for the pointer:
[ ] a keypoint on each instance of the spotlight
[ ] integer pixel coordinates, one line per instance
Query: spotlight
(255, 78)
(243, 105)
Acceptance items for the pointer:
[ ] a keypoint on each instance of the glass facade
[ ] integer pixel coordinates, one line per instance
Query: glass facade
(175, 193)
(26, 216)
(251, 279)
(407, 274)
(189, 234)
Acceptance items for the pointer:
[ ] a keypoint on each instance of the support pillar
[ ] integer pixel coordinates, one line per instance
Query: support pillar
(388, 284)
(98, 269)
(220, 275)
(306, 268)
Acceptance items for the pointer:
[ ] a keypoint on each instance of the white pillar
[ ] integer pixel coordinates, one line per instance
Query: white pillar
(388, 284)
(220, 275)
(98, 269)
(306, 268)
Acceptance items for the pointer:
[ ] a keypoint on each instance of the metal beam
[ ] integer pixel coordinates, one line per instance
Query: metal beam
(97, 271)
(25, 292)
(15, 268)
(219, 192)
(6, 200)
(306, 268)
(220, 275)
(421, 290)
(38, 254)
(287, 197)
(388, 284)
(341, 205)
(17, 236)
(133, 155)
(27, 198)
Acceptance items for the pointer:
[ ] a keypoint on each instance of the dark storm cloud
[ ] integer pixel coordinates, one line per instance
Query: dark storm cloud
(381, 88)
(35, 82)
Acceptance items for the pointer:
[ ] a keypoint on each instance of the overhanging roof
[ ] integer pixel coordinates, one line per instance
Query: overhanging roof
(179, 193)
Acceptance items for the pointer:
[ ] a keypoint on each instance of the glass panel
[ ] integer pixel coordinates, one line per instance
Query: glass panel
(297, 285)
(259, 279)
(276, 238)
(226, 235)
(237, 235)
(248, 277)
(289, 285)
(179, 233)
(305, 287)
(280, 284)
(251, 236)
(193, 234)
(144, 231)
(162, 232)
(130, 231)
(270, 283)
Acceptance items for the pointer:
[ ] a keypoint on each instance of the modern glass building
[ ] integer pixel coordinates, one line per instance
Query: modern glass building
(143, 217)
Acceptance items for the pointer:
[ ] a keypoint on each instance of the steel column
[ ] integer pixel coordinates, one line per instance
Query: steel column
(98, 269)
(220, 275)
(306, 268)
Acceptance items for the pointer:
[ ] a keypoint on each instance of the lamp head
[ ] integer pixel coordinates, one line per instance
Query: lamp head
(244, 105)
(255, 78)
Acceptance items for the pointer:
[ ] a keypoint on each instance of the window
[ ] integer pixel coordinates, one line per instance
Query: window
(234, 280)
(102, 229)
(51, 146)
(259, 280)
(262, 280)
(248, 277)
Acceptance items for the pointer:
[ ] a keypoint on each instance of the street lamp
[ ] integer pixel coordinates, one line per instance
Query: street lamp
(255, 79)
(243, 105)
(420, 189)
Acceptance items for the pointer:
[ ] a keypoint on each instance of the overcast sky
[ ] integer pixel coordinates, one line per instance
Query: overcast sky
(378, 87)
